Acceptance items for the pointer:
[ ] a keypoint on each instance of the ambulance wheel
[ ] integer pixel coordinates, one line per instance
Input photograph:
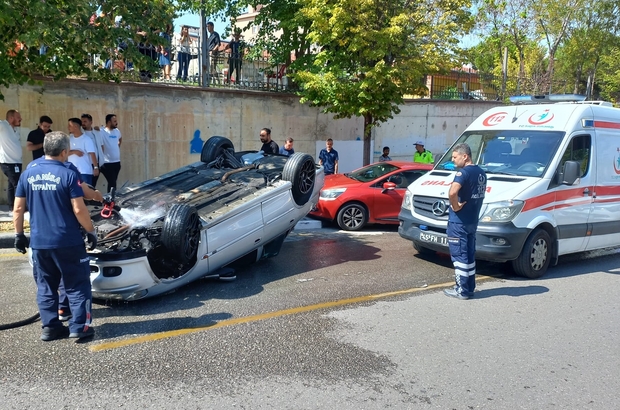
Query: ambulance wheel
(535, 256)
(352, 217)
(423, 250)
(181, 233)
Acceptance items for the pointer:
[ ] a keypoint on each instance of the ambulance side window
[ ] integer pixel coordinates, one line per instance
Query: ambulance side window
(579, 150)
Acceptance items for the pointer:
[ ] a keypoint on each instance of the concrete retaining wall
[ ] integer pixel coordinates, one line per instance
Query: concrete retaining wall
(163, 126)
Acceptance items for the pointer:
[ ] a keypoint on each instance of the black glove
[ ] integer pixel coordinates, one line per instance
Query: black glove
(21, 242)
(91, 240)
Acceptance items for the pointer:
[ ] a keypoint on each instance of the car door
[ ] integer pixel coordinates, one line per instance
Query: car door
(573, 203)
(387, 202)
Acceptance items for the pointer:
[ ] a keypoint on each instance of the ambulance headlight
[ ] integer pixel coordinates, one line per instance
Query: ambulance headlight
(407, 200)
(504, 211)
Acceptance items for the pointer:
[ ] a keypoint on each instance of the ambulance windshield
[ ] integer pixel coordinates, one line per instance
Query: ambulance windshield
(514, 152)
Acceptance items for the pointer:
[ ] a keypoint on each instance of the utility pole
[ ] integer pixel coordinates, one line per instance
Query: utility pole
(204, 55)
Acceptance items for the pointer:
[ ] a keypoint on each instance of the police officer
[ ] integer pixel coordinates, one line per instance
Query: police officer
(421, 154)
(466, 197)
(54, 197)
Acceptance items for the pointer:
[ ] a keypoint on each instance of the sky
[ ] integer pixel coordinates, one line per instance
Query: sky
(194, 20)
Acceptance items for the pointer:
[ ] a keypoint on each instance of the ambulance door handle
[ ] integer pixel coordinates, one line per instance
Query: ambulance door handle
(586, 192)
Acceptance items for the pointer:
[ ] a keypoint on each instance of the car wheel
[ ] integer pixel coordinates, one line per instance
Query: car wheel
(535, 255)
(214, 147)
(352, 217)
(181, 233)
(423, 250)
(300, 170)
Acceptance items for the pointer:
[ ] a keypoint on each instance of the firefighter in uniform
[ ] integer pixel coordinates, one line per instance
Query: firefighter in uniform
(466, 197)
(53, 195)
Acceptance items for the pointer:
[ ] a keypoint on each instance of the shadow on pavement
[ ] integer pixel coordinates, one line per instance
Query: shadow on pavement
(510, 291)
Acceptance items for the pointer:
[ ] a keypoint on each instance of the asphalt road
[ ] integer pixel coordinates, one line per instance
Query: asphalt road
(337, 320)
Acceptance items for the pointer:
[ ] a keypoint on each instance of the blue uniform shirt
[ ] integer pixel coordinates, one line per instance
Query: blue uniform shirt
(329, 159)
(473, 182)
(48, 186)
(287, 152)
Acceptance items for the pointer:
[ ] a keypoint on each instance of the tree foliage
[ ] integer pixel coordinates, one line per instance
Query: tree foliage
(578, 35)
(370, 53)
(72, 35)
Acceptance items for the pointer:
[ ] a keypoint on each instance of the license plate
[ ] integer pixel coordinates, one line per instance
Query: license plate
(433, 238)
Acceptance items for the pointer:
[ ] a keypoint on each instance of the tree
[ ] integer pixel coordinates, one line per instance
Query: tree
(373, 52)
(71, 35)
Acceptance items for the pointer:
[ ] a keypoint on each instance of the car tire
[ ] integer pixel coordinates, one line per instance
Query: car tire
(423, 250)
(535, 256)
(352, 217)
(214, 147)
(300, 170)
(180, 234)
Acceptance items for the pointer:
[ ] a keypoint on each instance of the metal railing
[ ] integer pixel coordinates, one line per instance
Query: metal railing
(474, 85)
(259, 73)
(262, 74)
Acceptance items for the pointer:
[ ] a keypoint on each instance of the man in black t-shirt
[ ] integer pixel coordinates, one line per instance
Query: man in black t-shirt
(36, 137)
(269, 146)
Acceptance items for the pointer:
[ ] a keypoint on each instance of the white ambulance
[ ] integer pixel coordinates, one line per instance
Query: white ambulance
(553, 185)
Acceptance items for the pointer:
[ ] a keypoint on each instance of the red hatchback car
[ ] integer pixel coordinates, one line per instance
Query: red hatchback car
(372, 194)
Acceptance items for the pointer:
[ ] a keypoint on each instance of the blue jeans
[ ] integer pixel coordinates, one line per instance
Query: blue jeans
(183, 59)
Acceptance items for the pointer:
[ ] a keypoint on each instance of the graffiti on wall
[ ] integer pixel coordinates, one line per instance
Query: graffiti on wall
(195, 145)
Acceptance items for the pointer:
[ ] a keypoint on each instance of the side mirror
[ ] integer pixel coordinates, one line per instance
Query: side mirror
(570, 173)
(389, 185)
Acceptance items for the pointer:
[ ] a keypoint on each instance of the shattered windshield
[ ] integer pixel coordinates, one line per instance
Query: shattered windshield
(514, 152)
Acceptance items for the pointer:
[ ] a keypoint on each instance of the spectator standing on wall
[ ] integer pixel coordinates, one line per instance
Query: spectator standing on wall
(111, 150)
(164, 51)
(328, 157)
(269, 146)
(82, 153)
(97, 139)
(386, 155)
(236, 56)
(213, 44)
(287, 149)
(184, 53)
(11, 152)
(421, 155)
(35, 137)
(58, 252)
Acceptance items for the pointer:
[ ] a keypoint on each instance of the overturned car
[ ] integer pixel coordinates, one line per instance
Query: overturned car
(192, 222)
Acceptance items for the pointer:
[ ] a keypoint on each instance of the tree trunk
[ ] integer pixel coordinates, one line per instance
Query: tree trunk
(367, 135)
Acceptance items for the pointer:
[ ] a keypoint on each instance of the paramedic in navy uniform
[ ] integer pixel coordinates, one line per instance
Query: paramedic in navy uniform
(466, 197)
(53, 195)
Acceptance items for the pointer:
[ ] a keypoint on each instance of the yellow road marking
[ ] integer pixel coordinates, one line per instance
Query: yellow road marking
(12, 254)
(264, 316)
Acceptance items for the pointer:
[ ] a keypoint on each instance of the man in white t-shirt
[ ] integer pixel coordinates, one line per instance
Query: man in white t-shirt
(82, 153)
(97, 139)
(11, 152)
(111, 150)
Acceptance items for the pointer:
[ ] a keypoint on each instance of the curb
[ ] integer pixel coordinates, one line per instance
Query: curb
(7, 240)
